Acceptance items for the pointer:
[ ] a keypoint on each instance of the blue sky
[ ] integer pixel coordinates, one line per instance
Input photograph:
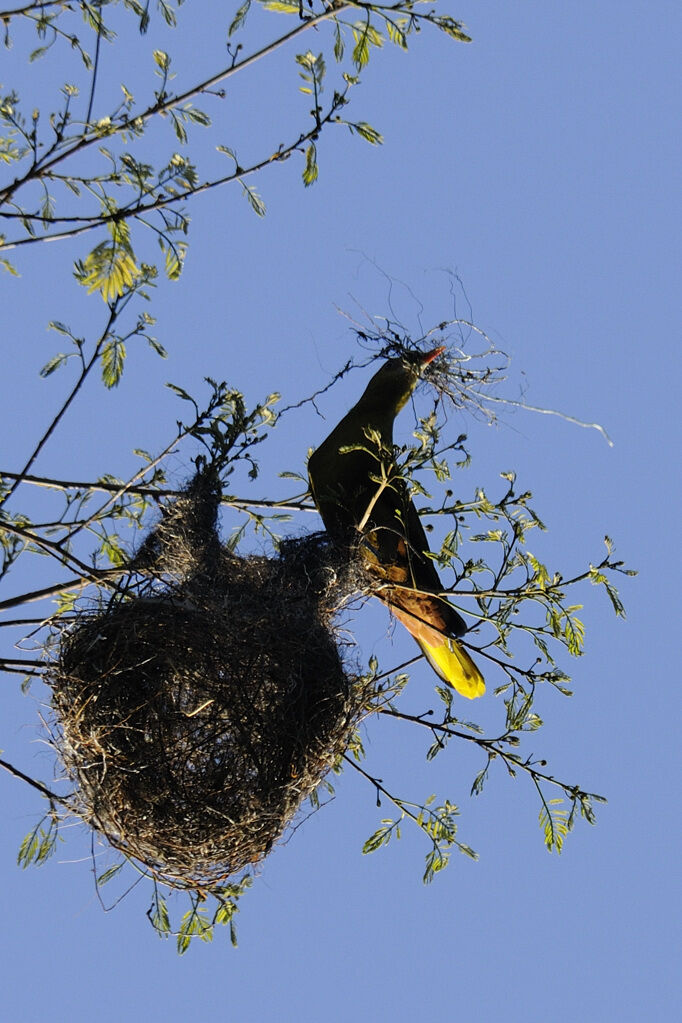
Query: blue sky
(537, 164)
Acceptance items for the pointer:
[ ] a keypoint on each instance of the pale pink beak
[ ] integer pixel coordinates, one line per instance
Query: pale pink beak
(430, 356)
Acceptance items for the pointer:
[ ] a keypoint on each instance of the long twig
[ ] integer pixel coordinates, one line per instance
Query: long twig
(52, 796)
(163, 105)
(55, 550)
(162, 201)
(379, 786)
(87, 367)
(492, 748)
(100, 576)
(151, 492)
(27, 8)
(93, 84)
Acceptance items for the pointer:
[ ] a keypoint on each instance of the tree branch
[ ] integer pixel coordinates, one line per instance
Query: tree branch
(52, 796)
(151, 492)
(160, 107)
(87, 367)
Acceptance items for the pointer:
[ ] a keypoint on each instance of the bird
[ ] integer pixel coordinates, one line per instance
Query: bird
(365, 505)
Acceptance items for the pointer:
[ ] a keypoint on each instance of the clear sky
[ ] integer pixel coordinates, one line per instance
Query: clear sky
(539, 164)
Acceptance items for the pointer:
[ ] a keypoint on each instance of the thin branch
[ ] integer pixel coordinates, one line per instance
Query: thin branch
(93, 84)
(52, 796)
(22, 662)
(132, 123)
(87, 367)
(163, 201)
(55, 550)
(151, 492)
(377, 783)
(100, 576)
(27, 8)
(12, 669)
(16, 623)
(123, 489)
(491, 747)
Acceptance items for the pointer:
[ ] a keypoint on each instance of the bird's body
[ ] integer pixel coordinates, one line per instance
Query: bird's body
(365, 504)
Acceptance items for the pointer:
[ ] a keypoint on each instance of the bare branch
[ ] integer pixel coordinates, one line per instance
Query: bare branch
(155, 493)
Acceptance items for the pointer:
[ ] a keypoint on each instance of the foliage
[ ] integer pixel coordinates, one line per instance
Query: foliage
(526, 618)
(81, 167)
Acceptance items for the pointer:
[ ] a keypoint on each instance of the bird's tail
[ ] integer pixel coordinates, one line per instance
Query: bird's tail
(448, 659)
(451, 661)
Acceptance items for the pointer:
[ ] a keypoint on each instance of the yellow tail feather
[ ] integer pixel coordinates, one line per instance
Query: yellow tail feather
(448, 659)
(452, 663)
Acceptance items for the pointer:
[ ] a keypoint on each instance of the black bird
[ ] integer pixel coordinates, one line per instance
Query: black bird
(365, 503)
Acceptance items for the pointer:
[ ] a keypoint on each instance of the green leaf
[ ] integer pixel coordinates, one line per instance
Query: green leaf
(180, 130)
(451, 27)
(283, 6)
(38, 845)
(179, 391)
(111, 547)
(361, 49)
(194, 924)
(480, 780)
(310, 171)
(257, 204)
(6, 265)
(113, 359)
(66, 601)
(175, 258)
(168, 13)
(367, 132)
(554, 824)
(54, 363)
(159, 916)
(111, 872)
(468, 851)
(380, 838)
(240, 18)
(158, 348)
(60, 327)
(229, 152)
(162, 60)
(338, 43)
(436, 861)
(197, 116)
(396, 34)
(110, 269)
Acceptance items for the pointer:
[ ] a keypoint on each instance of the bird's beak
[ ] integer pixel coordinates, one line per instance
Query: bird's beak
(430, 356)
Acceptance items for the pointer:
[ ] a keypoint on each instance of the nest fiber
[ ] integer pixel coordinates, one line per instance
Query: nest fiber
(195, 715)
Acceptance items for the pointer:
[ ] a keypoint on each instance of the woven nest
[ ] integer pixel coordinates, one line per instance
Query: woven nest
(196, 717)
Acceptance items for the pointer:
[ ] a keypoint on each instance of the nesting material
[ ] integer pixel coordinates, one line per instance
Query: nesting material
(195, 716)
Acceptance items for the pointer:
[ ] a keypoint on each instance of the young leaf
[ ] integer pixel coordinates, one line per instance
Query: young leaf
(257, 204)
(367, 132)
(54, 363)
(162, 60)
(110, 872)
(310, 171)
(113, 359)
(554, 824)
(283, 6)
(240, 18)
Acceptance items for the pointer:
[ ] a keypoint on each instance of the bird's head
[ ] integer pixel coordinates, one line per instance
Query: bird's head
(396, 380)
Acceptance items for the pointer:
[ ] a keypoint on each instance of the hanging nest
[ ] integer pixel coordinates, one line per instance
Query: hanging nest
(195, 714)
